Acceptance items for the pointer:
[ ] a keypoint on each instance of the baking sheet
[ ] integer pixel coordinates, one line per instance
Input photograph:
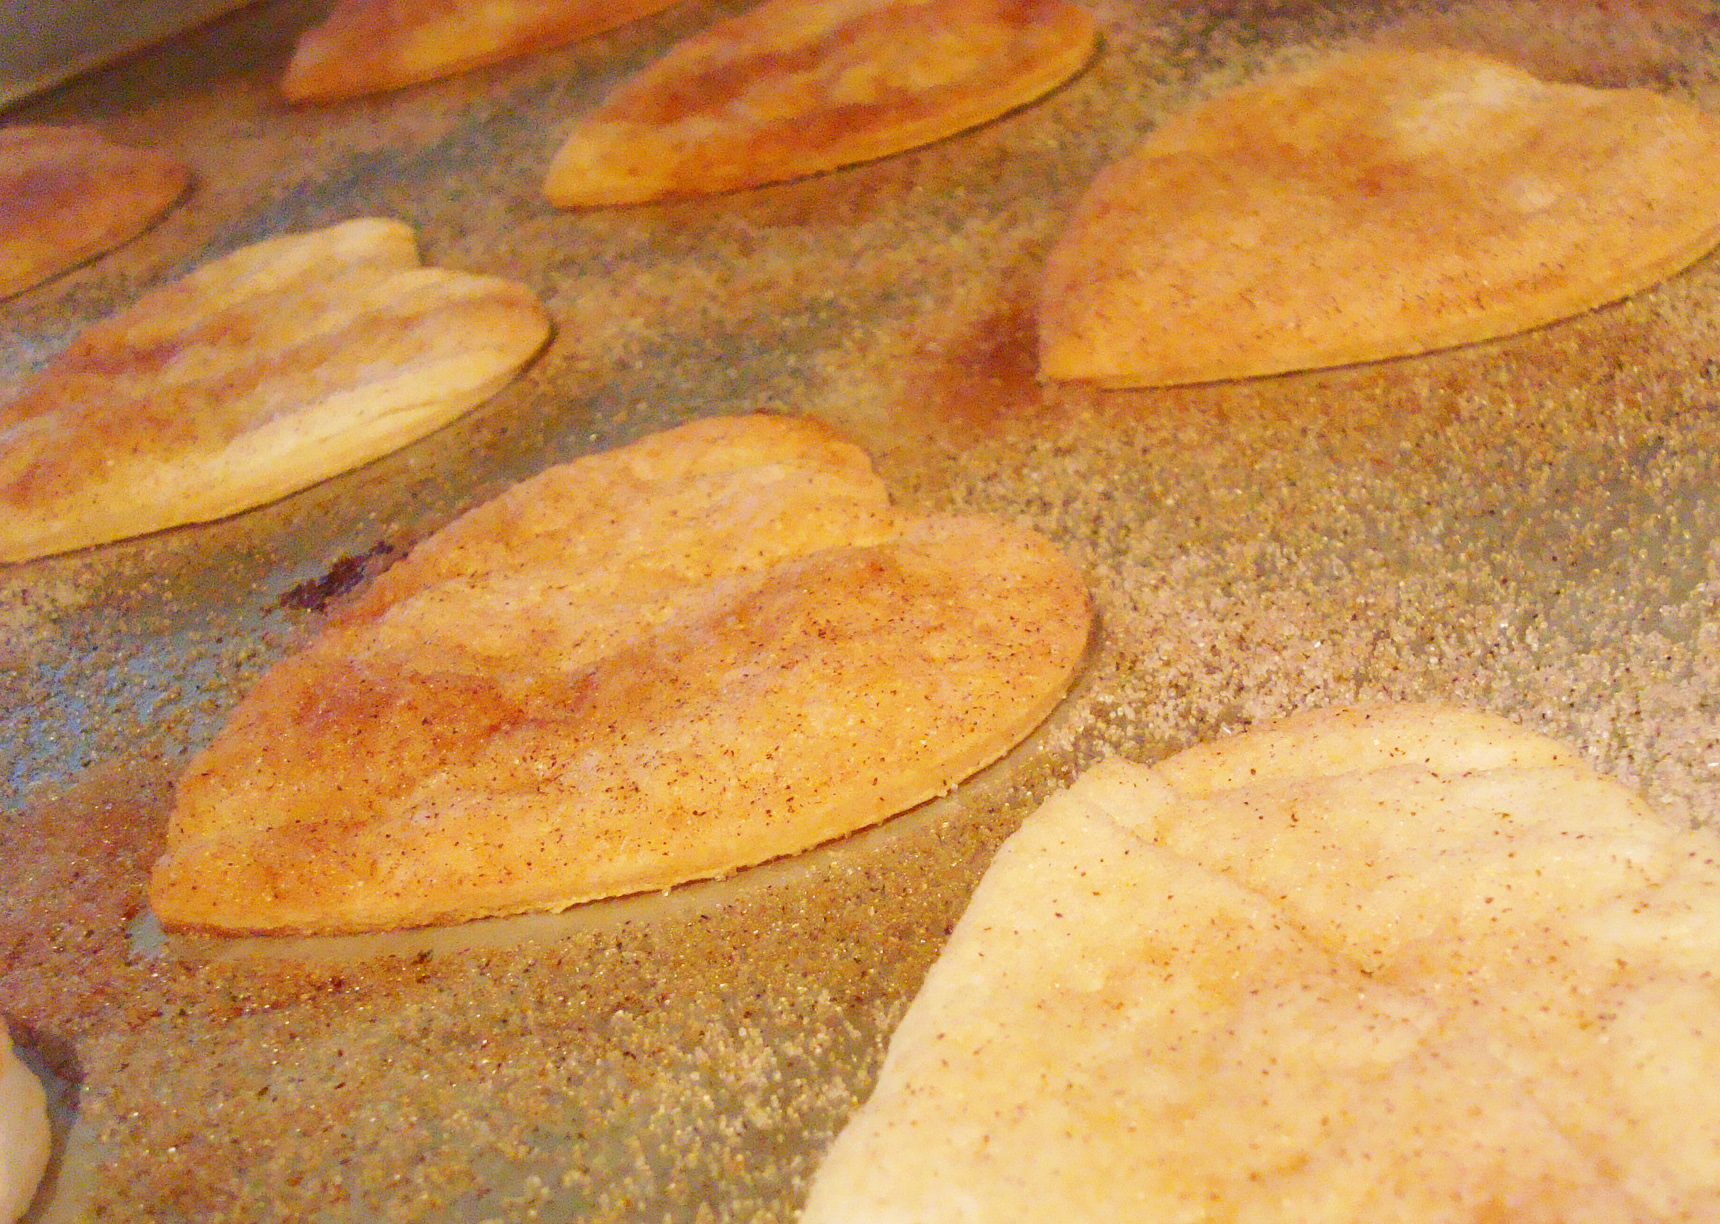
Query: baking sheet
(49, 43)
(1528, 526)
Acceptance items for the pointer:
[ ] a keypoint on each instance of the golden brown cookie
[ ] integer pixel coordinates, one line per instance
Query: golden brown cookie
(264, 371)
(67, 195)
(366, 46)
(714, 647)
(794, 87)
(1383, 203)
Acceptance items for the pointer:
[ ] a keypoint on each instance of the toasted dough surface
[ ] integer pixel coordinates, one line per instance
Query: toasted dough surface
(794, 87)
(1396, 963)
(264, 371)
(25, 1140)
(67, 194)
(366, 46)
(711, 648)
(1384, 203)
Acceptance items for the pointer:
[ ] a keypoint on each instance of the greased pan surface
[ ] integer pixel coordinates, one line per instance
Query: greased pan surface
(1528, 525)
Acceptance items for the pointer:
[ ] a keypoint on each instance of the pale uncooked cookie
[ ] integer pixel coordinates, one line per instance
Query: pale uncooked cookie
(1383, 203)
(1398, 963)
(794, 87)
(658, 664)
(264, 371)
(25, 1141)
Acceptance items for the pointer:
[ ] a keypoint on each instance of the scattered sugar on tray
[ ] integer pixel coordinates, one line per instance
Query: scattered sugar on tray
(1424, 529)
(1589, 42)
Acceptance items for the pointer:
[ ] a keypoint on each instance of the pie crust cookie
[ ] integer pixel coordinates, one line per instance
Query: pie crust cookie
(264, 371)
(25, 1139)
(713, 647)
(1393, 963)
(795, 87)
(1383, 203)
(67, 194)
(367, 46)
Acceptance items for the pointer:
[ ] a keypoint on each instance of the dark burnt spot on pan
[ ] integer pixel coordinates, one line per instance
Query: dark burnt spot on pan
(343, 577)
